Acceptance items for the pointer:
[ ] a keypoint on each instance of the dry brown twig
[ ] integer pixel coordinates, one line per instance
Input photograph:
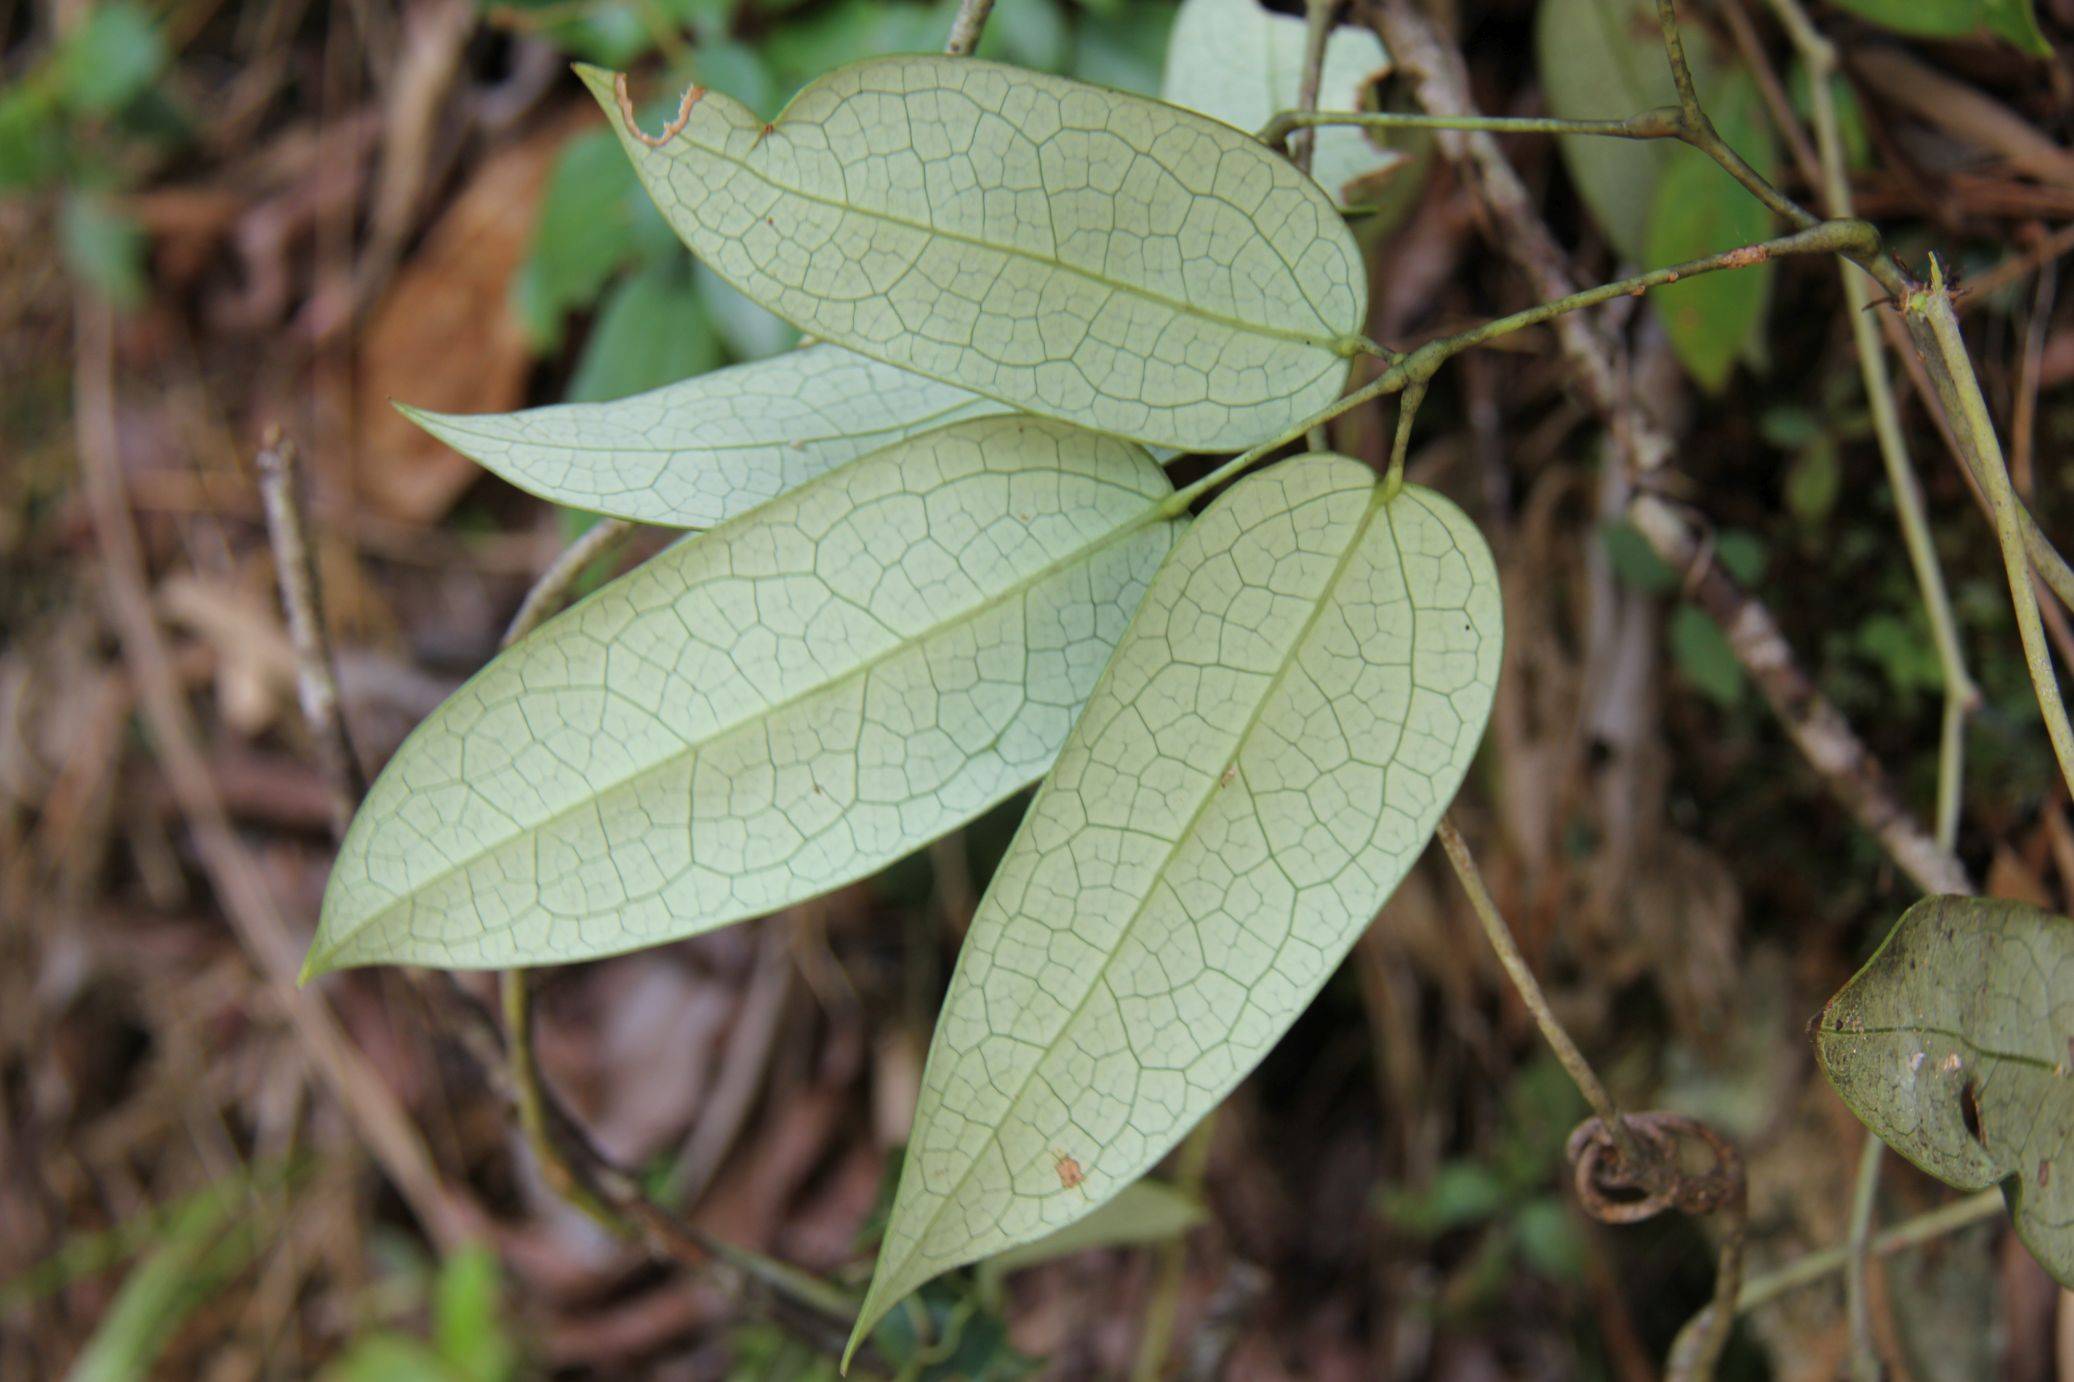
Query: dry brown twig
(449, 1217)
(316, 675)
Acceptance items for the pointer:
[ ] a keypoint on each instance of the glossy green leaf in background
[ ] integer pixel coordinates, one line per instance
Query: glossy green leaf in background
(1242, 63)
(652, 328)
(699, 452)
(763, 712)
(1699, 210)
(1955, 1044)
(2014, 20)
(1072, 251)
(1604, 60)
(1659, 202)
(1294, 705)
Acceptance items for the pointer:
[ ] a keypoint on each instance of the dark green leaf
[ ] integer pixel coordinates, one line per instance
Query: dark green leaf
(1699, 210)
(584, 232)
(1704, 658)
(1955, 1044)
(2010, 19)
(651, 331)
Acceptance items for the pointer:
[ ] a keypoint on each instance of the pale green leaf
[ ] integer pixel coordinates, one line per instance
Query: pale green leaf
(1072, 251)
(697, 453)
(2014, 20)
(1242, 62)
(1699, 210)
(766, 711)
(1294, 705)
(1955, 1044)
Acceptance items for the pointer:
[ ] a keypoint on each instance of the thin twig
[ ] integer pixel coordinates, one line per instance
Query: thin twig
(966, 28)
(1822, 734)
(1529, 989)
(1419, 367)
(1644, 1175)
(1928, 315)
(548, 593)
(1317, 29)
(316, 675)
(1909, 1233)
(1865, 1360)
(1662, 123)
(1960, 694)
(1776, 99)
(1699, 129)
(377, 1115)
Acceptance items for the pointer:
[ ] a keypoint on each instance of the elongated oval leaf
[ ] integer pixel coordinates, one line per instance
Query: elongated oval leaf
(1242, 62)
(1293, 707)
(1073, 251)
(1955, 1044)
(763, 712)
(697, 453)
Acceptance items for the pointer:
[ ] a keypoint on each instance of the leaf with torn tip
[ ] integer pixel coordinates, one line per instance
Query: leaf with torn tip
(1294, 705)
(774, 708)
(697, 453)
(1243, 63)
(1955, 1044)
(1076, 252)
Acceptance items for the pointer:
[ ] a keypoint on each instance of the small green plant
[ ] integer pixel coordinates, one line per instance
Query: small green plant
(940, 561)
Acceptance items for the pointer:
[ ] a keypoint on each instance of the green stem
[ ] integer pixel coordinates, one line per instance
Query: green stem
(1663, 123)
(1517, 970)
(1400, 445)
(1419, 367)
(1865, 1363)
(1909, 1233)
(966, 28)
(1928, 312)
(1158, 1335)
(1960, 694)
(1317, 28)
(1699, 130)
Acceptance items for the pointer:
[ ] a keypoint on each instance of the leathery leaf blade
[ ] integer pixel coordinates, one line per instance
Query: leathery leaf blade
(1955, 1044)
(1073, 251)
(1294, 705)
(697, 453)
(763, 712)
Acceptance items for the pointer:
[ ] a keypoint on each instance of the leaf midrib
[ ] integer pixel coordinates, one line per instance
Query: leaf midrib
(1960, 1038)
(1123, 530)
(1377, 504)
(1331, 343)
(898, 430)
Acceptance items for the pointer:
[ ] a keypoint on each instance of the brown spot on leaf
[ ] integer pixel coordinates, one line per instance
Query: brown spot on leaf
(671, 130)
(1069, 1171)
